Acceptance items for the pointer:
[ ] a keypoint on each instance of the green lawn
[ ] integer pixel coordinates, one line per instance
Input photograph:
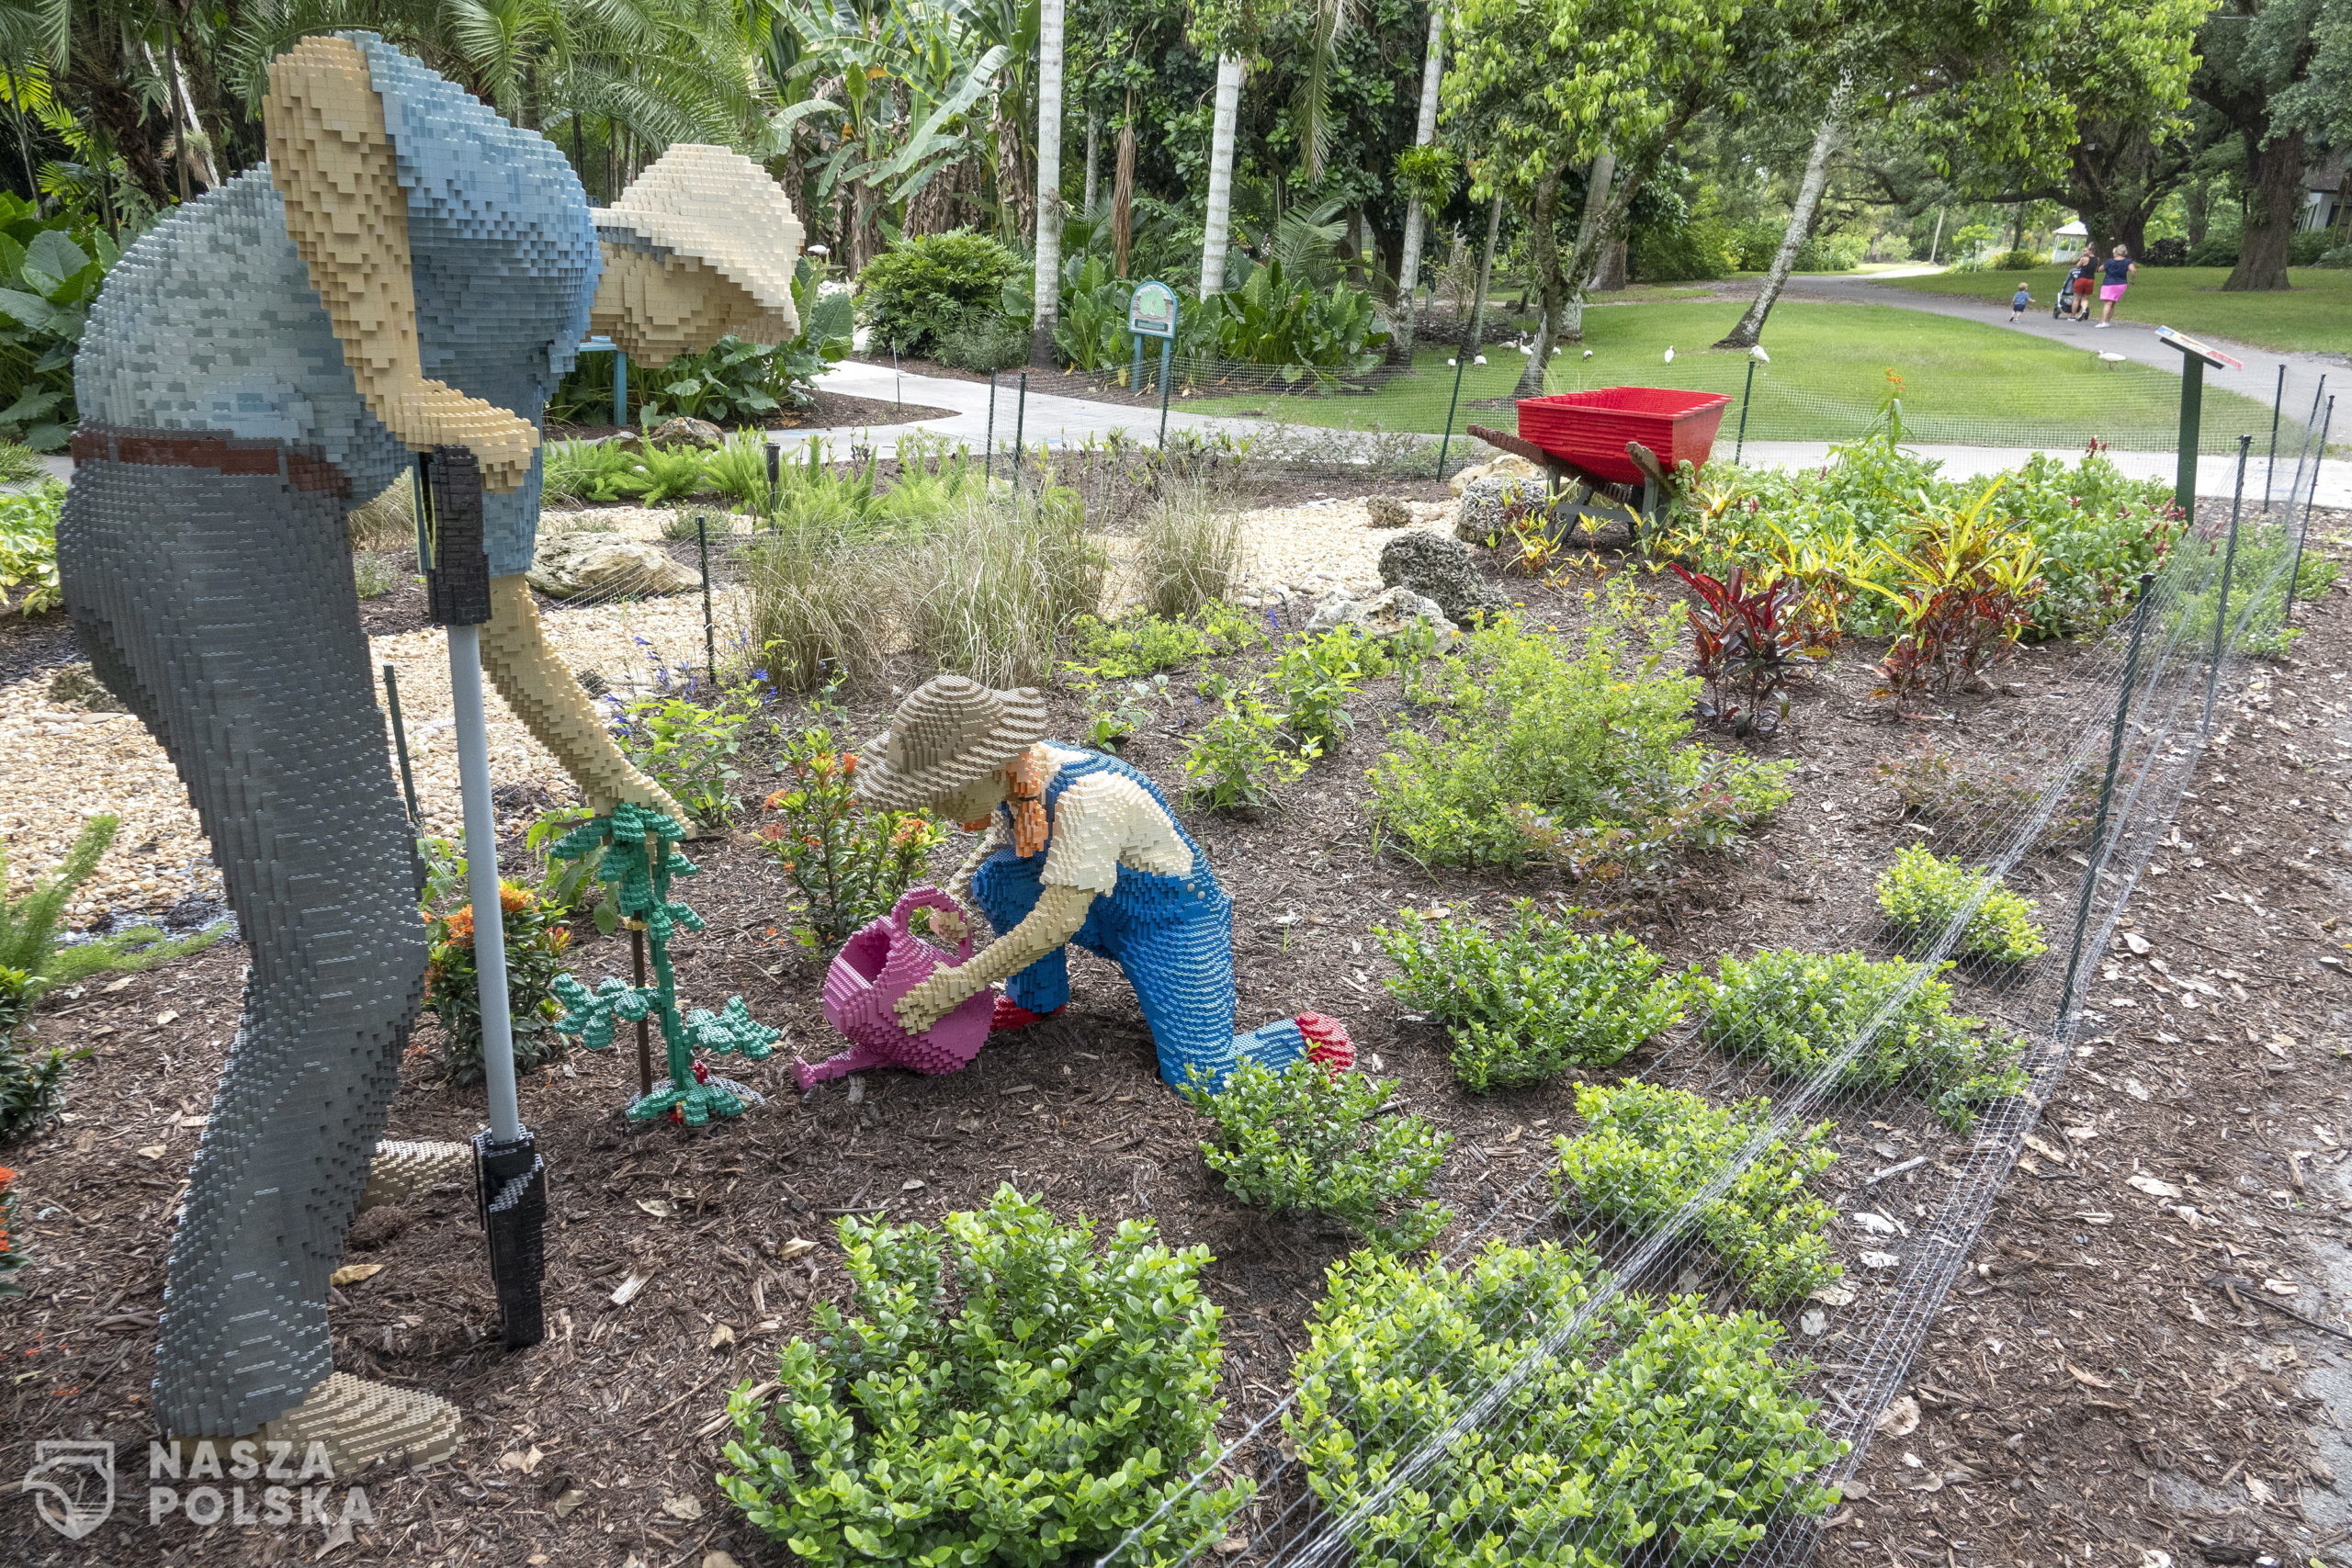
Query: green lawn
(2315, 315)
(1963, 382)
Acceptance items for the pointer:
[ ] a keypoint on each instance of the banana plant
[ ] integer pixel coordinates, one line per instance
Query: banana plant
(47, 282)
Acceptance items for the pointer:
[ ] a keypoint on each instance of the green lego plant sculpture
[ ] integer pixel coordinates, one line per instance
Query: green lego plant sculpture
(641, 859)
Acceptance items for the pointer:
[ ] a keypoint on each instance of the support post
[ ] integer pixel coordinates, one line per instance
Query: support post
(775, 482)
(1167, 357)
(645, 1024)
(2067, 1000)
(709, 631)
(2270, 464)
(2193, 403)
(2295, 566)
(1020, 425)
(1445, 439)
(400, 748)
(620, 388)
(2222, 610)
(1739, 444)
(988, 458)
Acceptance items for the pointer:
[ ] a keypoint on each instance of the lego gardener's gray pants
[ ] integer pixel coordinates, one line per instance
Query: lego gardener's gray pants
(210, 582)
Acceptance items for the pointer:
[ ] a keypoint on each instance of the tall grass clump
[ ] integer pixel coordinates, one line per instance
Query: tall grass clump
(1188, 554)
(999, 581)
(815, 607)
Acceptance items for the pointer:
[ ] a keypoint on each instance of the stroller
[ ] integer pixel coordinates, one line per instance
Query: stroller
(2073, 300)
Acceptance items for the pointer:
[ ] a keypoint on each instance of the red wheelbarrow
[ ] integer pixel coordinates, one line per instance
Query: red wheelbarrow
(1619, 444)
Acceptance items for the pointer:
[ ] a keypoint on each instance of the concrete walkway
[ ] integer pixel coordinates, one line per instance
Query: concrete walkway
(2135, 340)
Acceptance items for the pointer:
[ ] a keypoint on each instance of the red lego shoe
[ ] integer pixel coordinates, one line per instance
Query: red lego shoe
(1011, 1014)
(1327, 1041)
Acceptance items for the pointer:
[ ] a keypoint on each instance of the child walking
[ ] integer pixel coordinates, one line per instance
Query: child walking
(2020, 302)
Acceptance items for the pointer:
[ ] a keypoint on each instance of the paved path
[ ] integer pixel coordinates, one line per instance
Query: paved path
(2135, 340)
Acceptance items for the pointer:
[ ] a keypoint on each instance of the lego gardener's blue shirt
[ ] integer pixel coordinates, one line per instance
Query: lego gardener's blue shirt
(209, 321)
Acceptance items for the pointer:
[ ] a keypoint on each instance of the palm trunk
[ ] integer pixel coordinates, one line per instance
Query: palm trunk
(1014, 194)
(1750, 331)
(1123, 194)
(1093, 160)
(1049, 181)
(2277, 201)
(1408, 266)
(1544, 261)
(1218, 228)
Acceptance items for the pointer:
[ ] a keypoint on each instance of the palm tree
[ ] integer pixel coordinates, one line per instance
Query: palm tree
(1049, 180)
(1217, 231)
(1408, 267)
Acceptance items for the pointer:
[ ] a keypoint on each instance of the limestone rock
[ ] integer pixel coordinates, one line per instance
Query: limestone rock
(1441, 570)
(1502, 466)
(1387, 512)
(684, 431)
(78, 686)
(606, 566)
(1487, 505)
(627, 440)
(1386, 615)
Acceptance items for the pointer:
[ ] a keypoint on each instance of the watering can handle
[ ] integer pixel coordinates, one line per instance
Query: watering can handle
(914, 898)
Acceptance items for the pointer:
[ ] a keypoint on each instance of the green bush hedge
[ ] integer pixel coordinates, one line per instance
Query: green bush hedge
(930, 285)
(1628, 1430)
(998, 1392)
(1922, 896)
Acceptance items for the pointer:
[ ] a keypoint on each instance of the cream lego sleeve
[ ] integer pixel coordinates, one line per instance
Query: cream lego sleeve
(1102, 819)
(330, 159)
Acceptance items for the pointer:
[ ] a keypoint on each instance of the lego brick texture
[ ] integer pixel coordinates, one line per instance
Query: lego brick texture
(219, 607)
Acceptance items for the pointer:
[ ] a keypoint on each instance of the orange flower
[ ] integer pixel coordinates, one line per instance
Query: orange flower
(849, 761)
(514, 899)
(775, 801)
(461, 927)
(6, 1176)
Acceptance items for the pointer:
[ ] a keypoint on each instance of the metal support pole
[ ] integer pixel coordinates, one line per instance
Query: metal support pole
(2192, 403)
(2269, 464)
(644, 1025)
(2304, 445)
(620, 388)
(775, 482)
(1019, 424)
(1167, 357)
(2067, 1000)
(400, 748)
(1477, 332)
(482, 882)
(988, 458)
(2295, 566)
(2222, 610)
(709, 632)
(1445, 440)
(1739, 445)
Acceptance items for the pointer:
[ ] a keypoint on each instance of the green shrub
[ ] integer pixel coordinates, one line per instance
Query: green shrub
(50, 269)
(2257, 599)
(1528, 1002)
(593, 470)
(1555, 753)
(28, 546)
(1546, 1419)
(1309, 332)
(1923, 897)
(983, 340)
(730, 382)
(537, 940)
(1000, 1393)
(927, 285)
(1141, 645)
(1239, 761)
(1115, 710)
(847, 863)
(1303, 1141)
(1314, 680)
(690, 749)
(1649, 1154)
(1800, 1011)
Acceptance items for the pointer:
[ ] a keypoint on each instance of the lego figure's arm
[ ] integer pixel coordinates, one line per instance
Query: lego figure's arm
(959, 886)
(330, 159)
(1055, 919)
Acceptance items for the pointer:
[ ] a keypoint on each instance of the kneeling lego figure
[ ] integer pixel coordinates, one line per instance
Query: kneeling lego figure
(1077, 847)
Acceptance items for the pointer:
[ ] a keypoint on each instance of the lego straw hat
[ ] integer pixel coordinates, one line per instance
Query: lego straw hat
(720, 209)
(949, 731)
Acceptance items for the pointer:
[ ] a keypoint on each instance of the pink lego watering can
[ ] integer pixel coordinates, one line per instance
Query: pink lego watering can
(882, 963)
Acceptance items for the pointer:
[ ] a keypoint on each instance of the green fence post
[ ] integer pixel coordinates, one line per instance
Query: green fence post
(2192, 402)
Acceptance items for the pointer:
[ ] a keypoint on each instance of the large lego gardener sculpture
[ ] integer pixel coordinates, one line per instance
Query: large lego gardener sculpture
(408, 271)
(1078, 847)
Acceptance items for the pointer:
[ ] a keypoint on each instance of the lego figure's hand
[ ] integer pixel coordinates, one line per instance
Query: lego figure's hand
(935, 998)
(430, 414)
(949, 925)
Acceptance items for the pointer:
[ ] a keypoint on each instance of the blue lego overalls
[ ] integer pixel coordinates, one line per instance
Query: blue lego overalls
(1173, 936)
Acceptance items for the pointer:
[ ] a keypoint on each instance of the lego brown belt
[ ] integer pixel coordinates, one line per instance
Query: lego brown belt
(301, 466)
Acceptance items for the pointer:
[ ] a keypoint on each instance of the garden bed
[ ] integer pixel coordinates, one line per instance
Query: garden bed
(829, 410)
(618, 1407)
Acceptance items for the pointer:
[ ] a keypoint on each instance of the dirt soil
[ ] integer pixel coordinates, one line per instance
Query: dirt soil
(830, 410)
(2095, 1390)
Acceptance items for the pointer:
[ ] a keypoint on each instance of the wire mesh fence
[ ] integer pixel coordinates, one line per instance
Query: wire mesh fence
(1595, 1374)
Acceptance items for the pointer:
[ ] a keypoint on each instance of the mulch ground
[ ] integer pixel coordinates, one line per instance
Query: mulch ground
(2090, 1392)
(827, 410)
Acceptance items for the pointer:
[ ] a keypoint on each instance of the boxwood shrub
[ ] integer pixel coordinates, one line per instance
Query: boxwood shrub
(1626, 1430)
(998, 1392)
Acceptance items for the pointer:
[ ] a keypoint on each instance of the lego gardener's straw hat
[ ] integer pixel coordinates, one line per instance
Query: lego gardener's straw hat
(949, 731)
(719, 209)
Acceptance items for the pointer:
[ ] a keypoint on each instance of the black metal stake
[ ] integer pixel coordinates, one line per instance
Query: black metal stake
(2066, 998)
(988, 459)
(2221, 611)
(1739, 445)
(775, 483)
(1477, 331)
(400, 747)
(2295, 566)
(709, 632)
(1167, 381)
(2277, 396)
(1020, 420)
